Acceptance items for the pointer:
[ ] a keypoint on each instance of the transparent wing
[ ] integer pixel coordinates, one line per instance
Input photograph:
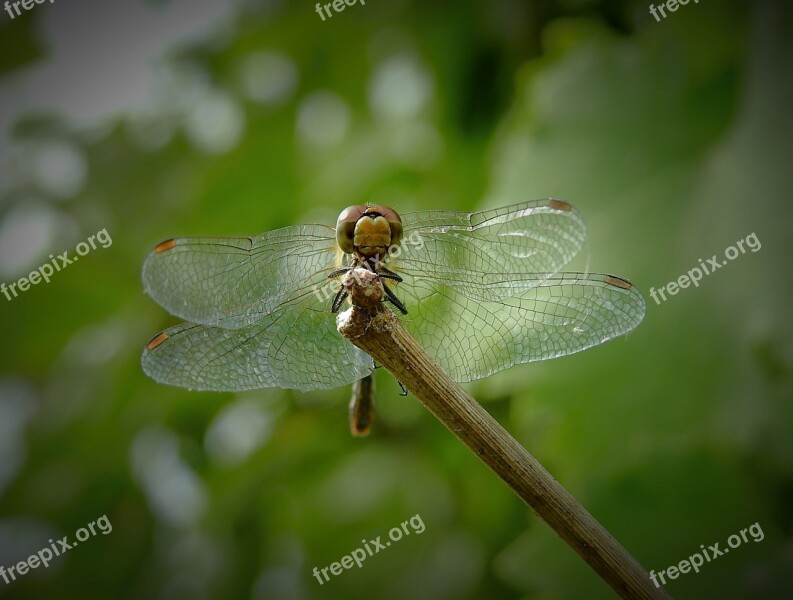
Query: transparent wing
(234, 282)
(473, 335)
(458, 248)
(295, 346)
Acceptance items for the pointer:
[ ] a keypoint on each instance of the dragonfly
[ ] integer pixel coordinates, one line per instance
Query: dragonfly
(480, 291)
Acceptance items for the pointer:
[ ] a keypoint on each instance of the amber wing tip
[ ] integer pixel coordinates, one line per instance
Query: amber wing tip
(618, 282)
(164, 246)
(157, 340)
(560, 205)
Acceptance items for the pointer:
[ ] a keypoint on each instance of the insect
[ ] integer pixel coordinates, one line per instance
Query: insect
(481, 291)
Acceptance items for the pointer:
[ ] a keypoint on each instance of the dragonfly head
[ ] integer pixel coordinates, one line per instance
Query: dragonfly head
(368, 230)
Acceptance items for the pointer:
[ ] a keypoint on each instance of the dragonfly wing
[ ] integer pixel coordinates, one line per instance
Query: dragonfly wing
(539, 236)
(295, 346)
(234, 282)
(473, 335)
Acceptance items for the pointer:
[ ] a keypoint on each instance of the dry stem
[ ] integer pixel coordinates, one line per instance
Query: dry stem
(376, 330)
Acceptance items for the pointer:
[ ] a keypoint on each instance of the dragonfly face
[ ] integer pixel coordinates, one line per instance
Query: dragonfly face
(483, 291)
(368, 231)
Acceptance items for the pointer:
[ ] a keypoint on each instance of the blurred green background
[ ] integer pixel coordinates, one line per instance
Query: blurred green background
(151, 120)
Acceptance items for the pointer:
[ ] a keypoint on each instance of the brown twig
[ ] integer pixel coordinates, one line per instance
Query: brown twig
(376, 330)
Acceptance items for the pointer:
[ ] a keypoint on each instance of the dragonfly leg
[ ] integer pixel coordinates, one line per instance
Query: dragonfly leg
(341, 296)
(338, 272)
(394, 300)
(404, 391)
(388, 274)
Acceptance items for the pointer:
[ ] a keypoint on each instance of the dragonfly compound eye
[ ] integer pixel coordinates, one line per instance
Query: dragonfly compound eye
(345, 227)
